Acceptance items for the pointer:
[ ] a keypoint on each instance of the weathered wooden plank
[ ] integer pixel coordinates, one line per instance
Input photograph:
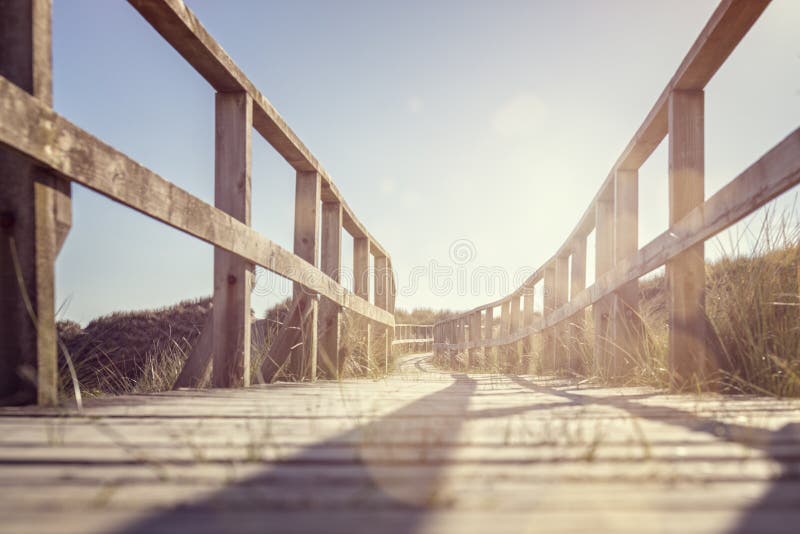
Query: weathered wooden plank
(331, 359)
(36, 217)
(304, 346)
(38, 132)
(686, 272)
(233, 275)
(625, 323)
(361, 287)
(183, 31)
(577, 323)
(560, 332)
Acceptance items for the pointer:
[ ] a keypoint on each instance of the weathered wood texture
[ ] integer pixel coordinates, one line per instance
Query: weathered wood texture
(38, 132)
(35, 217)
(183, 31)
(330, 317)
(233, 275)
(423, 451)
(613, 216)
(686, 271)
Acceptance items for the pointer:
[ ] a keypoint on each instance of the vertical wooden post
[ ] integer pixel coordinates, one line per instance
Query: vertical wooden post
(475, 337)
(361, 286)
(232, 275)
(382, 278)
(527, 318)
(516, 324)
(604, 261)
(548, 350)
(505, 329)
(578, 321)
(329, 311)
(561, 331)
(686, 272)
(35, 218)
(625, 326)
(489, 353)
(308, 189)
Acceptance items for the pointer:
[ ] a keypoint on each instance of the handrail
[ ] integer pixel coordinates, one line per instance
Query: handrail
(53, 146)
(613, 216)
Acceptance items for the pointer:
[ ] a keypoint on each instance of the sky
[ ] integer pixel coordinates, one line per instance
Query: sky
(467, 136)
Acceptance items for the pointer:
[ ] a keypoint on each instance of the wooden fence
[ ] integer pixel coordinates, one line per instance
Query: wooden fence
(42, 153)
(417, 337)
(613, 216)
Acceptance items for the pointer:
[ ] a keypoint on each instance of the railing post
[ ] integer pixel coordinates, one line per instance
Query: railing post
(578, 321)
(35, 218)
(516, 324)
(549, 301)
(382, 277)
(686, 272)
(361, 286)
(233, 276)
(489, 353)
(626, 321)
(604, 261)
(505, 329)
(561, 330)
(474, 337)
(329, 311)
(303, 359)
(527, 320)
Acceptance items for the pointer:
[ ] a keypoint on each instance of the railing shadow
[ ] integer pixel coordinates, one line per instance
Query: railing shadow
(781, 446)
(341, 484)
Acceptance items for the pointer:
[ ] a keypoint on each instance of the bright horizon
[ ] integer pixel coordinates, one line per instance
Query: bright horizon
(444, 128)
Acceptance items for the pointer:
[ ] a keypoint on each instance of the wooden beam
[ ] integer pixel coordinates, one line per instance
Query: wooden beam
(35, 217)
(489, 353)
(197, 367)
(183, 31)
(382, 277)
(303, 355)
(625, 326)
(561, 332)
(330, 327)
(41, 134)
(686, 272)
(577, 323)
(361, 287)
(549, 301)
(604, 262)
(233, 275)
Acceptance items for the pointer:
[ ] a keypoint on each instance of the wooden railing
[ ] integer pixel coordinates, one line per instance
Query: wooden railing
(613, 216)
(43, 153)
(418, 337)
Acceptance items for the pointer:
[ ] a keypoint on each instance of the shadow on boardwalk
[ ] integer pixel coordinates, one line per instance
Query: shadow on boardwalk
(347, 492)
(782, 446)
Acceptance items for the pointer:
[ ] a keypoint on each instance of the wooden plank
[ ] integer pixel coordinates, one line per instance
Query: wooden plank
(330, 351)
(36, 217)
(183, 31)
(41, 134)
(601, 311)
(296, 335)
(304, 349)
(686, 272)
(475, 334)
(361, 287)
(625, 324)
(561, 332)
(577, 323)
(233, 275)
(381, 292)
(547, 364)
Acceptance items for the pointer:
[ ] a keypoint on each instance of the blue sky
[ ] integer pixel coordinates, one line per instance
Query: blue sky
(489, 124)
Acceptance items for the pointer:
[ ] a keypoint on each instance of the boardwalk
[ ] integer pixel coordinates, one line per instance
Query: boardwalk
(421, 451)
